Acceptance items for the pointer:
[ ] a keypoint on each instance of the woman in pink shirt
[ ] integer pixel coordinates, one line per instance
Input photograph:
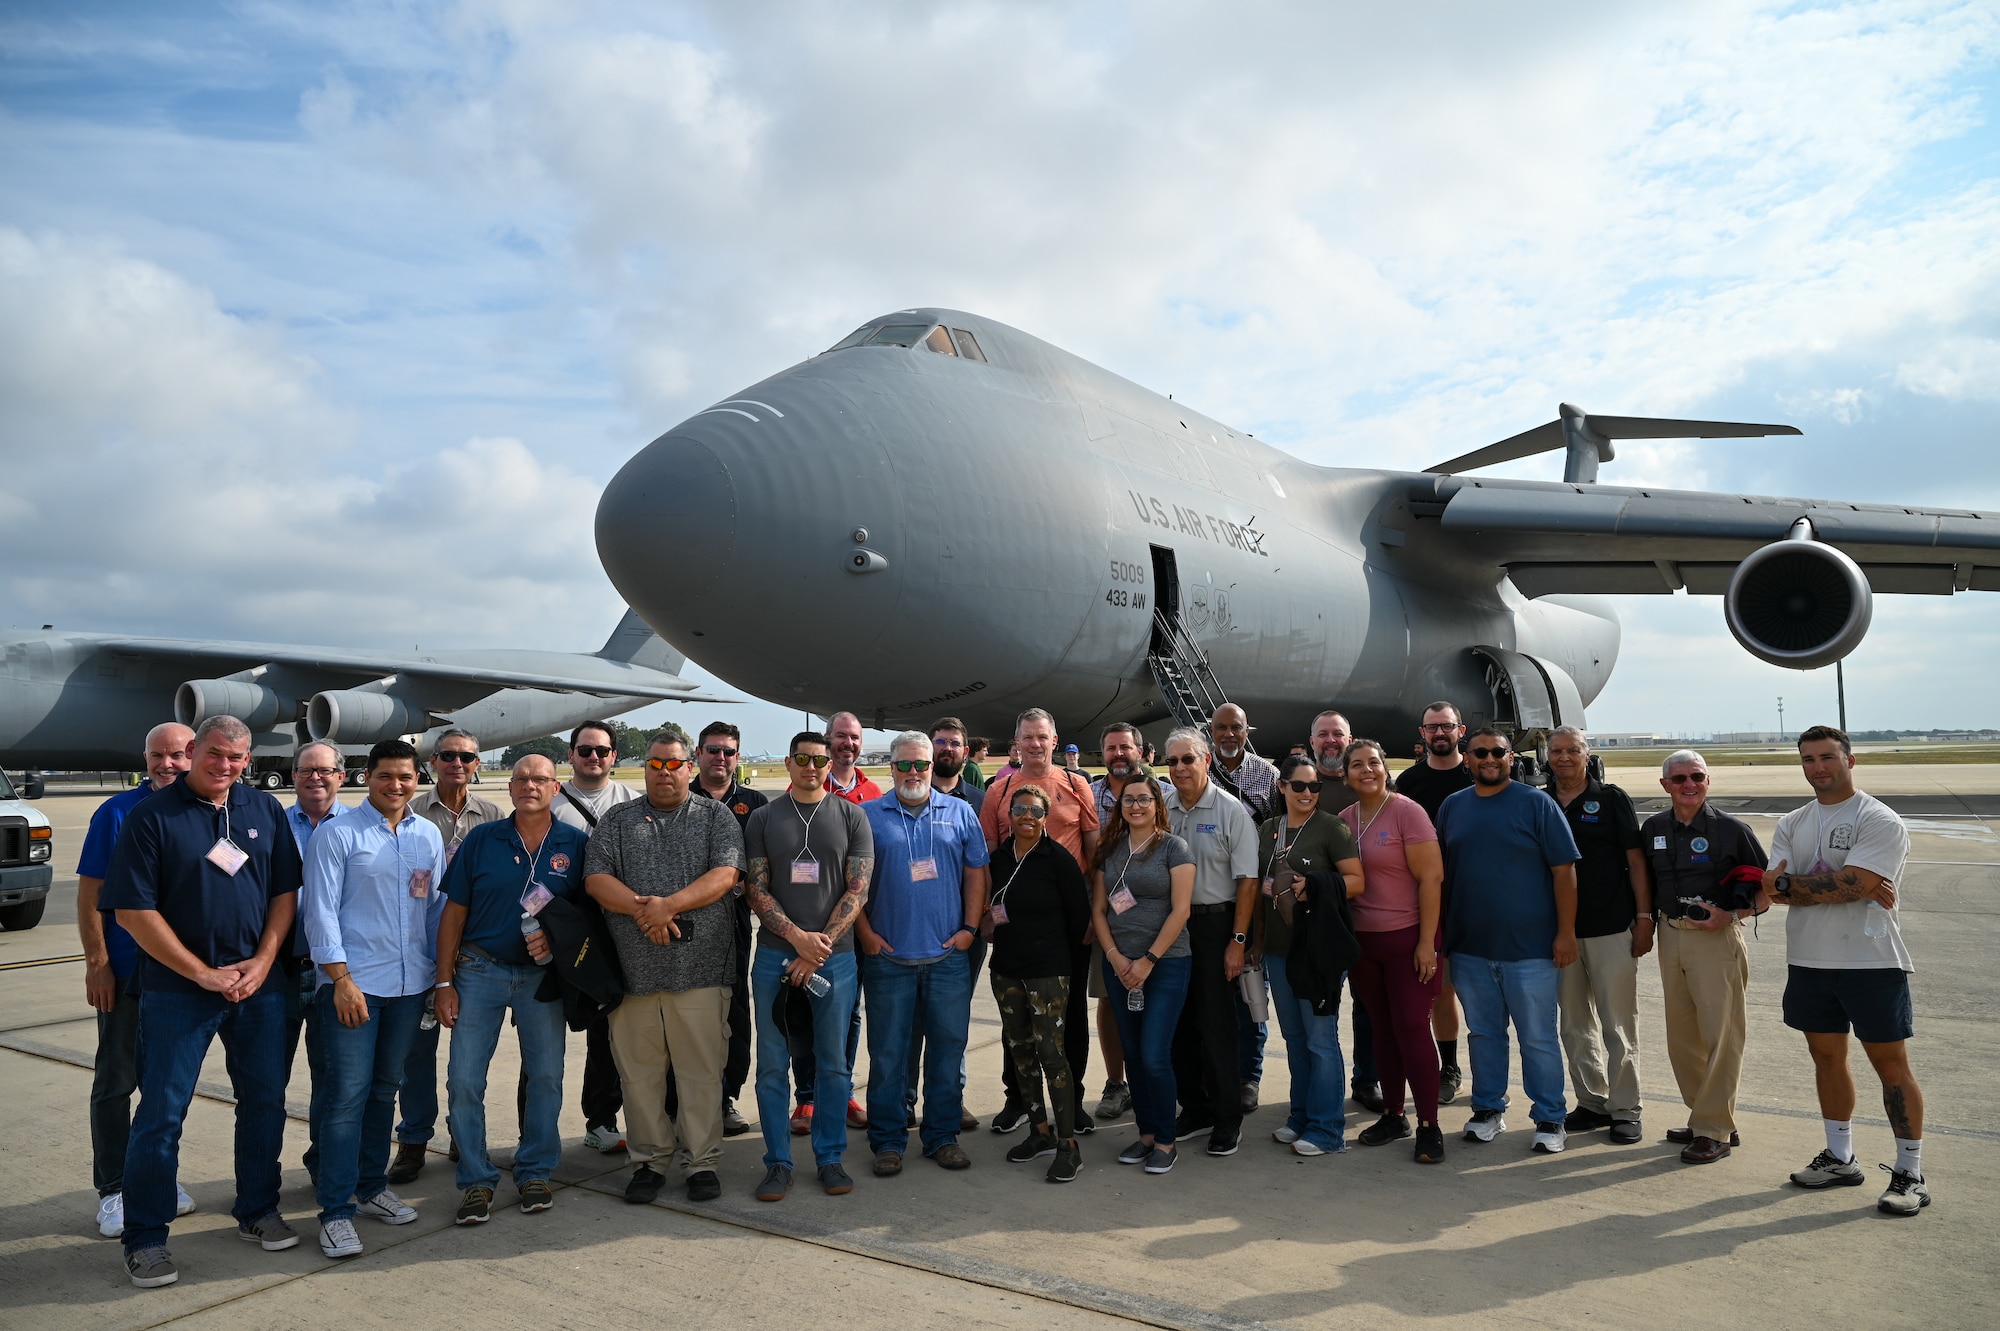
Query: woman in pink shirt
(1396, 922)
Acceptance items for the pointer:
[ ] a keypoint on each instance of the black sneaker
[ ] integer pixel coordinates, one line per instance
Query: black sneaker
(777, 1182)
(477, 1208)
(1580, 1119)
(1450, 1078)
(1430, 1144)
(1011, 1118)
(1388, 1128)
(1032, 1147)
(835, 1180)
(1135, 1153)
(1187, 1125)
(644, 1185)
(1224, 1141)
(1068, 1161)
(704, 1186)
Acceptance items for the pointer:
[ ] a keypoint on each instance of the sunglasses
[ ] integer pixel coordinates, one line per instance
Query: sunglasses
(811, 759)
(719, 750)
(1186, 759)
(593, 750)
(669, 764)
(1488, 753)
(1301, 787)
(1026, 811)
(1688, 779)
(454, 756)
(912, 764)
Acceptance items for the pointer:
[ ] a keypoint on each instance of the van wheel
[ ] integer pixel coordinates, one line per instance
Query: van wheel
(272, 780)
(24, 916)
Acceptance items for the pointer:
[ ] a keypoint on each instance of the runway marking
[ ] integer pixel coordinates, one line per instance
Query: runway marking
(40, 961)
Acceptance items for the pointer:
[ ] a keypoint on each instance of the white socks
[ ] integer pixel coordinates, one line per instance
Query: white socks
(1910, 1157)
(1840, 1139)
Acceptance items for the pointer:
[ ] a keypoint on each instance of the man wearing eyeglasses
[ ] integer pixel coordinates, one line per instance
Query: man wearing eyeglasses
(1441, 774)
(587, 796)
(719, 744)
(1698, 854)
(661, 867)
(451, 807)
(317, 775)
(925, 899)
(1511, 865)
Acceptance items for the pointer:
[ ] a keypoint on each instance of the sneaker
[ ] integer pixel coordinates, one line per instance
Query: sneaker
(1032, 1147)
(1828, 1170)
(1224, 1141)
(1388, 1128)
(408, 1163)
(604, 1137)
(1068, 1162)
(111, 1215)
(1450, 1078)
(703, 1186)
(1187, 1125)
(1011, 1118)
(536, 1195)
(1308, 1149)
(183, 1203)
(270, 1231)
(1246, 1096)
(777, 1182)
(834, 1179)
(1117, 1099)
(1627, 1132)
(1285, 1135)
(1580, 1119)
(857, 1117)
(1161, 1159)
(733, 1122)
(476, 1208)
(151, 1268)
(1368, 1094)
(1430, 1144)
(1085, 1125)
(1135, 1153)
(1485, 1125)
(338, 1239)
(644, 1185)
(387, 1207)
(802, 1120)
(1550, 1138)
(952, 1156)
(888, 1164)
(1907, 1194)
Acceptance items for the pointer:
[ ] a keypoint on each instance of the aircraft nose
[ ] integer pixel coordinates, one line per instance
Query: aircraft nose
(666, 528)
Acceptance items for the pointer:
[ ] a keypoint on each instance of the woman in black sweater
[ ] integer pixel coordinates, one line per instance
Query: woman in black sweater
(1041, 908)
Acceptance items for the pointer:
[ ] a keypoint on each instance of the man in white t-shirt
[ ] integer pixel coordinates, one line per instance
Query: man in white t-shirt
(1836, 863)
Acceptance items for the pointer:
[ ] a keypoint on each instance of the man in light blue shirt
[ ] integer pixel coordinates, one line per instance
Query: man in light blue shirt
(317, 774)
(371, 904)
(923, 911)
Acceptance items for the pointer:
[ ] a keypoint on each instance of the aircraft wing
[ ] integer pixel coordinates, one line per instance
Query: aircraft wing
(1559, 537)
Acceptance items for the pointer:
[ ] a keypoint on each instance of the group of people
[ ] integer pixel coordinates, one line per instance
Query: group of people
(1194, 905)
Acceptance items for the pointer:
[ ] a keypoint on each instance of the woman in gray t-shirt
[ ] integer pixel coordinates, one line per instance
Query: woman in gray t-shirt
(1142, 889)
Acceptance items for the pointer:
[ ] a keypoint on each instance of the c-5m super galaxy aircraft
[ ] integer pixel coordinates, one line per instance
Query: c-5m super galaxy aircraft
(944, 514)
(86, 700)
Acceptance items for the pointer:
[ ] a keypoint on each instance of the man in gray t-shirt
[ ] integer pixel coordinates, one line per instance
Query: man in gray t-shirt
(661, 867)
(807, 847)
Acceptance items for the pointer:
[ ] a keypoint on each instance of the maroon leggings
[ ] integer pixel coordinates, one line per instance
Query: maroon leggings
(1399, 1006)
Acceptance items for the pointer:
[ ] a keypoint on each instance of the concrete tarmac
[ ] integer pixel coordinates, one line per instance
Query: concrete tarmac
(1599, 1235)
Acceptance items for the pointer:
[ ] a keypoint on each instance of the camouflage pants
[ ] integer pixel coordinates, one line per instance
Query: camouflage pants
(1031, 1026)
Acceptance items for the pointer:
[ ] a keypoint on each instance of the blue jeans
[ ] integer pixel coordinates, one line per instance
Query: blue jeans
(1312, 1051)
(174, 1032)
(487, 992)
(832, 1073)
(364, 1069)
(804, 1042)
(940, 995)
(1148, 1037)
(302, 1016)
(1493, 993)
(420, 1088)
(913, 1063)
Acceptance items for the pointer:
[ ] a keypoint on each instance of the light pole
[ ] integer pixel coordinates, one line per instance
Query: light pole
(1781, 717)
(1840, 682)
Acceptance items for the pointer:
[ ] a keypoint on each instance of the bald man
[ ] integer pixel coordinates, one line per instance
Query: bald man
(1252, 779)
(109, 958)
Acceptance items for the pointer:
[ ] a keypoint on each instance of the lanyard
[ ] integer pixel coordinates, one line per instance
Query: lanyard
(1019, 861)
(805, 842)
(930, 832)
(1130, 853)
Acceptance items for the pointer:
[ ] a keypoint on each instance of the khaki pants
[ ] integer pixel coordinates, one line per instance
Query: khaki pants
(685, 1034)
(1705, 976)
(1599, 996)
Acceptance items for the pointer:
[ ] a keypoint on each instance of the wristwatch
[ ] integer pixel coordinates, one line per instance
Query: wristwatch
(1781, 884)
(1148, 955)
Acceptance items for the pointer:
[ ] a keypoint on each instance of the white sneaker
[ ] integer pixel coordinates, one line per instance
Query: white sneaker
(606, 1139)
(1306, 1148)
(338, 1239)
(1485, 1125)
(111, 1215)
(387, 1207)
(1907, 1194)
(1284, 1136)
(182, 1202)
(1550, 1138)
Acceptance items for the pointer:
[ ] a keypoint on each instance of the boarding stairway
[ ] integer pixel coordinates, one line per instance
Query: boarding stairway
(1187, 684)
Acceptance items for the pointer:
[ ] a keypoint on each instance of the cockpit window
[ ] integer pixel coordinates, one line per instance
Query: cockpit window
(899, 335)
(940, 342)
(853, 339)
(967, 346)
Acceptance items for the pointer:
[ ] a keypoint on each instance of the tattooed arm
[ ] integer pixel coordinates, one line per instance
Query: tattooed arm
(860, 869)
(1830, 889)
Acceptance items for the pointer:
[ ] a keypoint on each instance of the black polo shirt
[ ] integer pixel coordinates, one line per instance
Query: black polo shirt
(161, 863)
(1692, 860)
(1430, 787)
(1605, 826)
(742, 801)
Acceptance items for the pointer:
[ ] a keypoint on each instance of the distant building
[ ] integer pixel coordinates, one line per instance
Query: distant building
(1749, 737)
(1624, 739)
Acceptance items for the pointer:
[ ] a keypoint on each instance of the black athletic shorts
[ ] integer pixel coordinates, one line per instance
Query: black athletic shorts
(1876, 1003)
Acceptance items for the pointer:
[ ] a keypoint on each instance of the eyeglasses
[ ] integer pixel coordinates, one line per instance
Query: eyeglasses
(298, 772)
(1136, 801)
(1301, 787)
(1488, 753)
(811, 759)
(1187, 759)
(1026, 811)
(454, 756)
(668, 764)
(912, 764)
(719, 750)
(1439, 727)
(1688, 779)
(531, 781)
(946, 742)
(593, 750)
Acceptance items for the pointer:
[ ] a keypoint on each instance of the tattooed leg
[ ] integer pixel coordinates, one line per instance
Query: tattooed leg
(1902, 1099)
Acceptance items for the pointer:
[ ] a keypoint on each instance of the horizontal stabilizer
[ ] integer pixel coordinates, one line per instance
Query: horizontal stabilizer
(634, 641)
(1556, 435)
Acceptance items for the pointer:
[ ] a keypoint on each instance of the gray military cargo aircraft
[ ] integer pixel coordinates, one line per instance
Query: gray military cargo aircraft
(944, 514)
(86, 700)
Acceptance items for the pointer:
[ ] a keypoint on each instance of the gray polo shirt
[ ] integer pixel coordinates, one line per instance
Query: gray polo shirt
(1219, 831)
(656, 853)
(453, 826)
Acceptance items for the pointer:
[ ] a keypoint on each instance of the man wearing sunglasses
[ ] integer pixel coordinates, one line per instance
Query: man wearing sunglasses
(1441, 774)
(719, 744)
(1510, 863)
(451, 807)
(1698, 855)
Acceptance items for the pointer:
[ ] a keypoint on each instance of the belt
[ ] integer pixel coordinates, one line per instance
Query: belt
(1681, 922)
(1215, 909)
(480, 952)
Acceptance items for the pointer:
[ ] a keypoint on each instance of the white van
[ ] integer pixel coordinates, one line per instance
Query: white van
(27, 845)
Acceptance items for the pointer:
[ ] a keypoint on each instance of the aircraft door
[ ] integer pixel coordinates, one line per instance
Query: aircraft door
(1166, 583)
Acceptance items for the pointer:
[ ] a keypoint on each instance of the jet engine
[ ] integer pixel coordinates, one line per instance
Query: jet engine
(1799, 603)
(357, 716)
(256, 705)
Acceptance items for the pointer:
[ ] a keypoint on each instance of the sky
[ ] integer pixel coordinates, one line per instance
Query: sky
(327, 322)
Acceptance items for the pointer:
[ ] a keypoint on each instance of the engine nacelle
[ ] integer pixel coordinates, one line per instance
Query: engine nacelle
(354, 716)
(255, 705)
(1799, 603)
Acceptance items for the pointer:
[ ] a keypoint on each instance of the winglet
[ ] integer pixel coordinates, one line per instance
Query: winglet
(634, 642)
(1587, 440)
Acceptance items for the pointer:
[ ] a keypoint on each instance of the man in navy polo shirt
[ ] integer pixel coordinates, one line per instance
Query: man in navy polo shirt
(205, 878)
(503, 872)
(109, 958)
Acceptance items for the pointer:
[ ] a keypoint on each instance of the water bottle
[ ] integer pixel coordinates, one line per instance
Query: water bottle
(1878, 921)
(429, 1021)
(530, 926)
(817, 985)
(1135, 999)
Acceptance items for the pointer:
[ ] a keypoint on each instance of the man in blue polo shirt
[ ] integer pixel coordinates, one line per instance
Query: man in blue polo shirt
(205, 880)
(371, 907)
(487, 967)
(109, 958)
(923, 912)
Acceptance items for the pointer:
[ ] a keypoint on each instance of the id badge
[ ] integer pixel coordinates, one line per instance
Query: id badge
(805, 871)
(1122, 900)
(420, 883)
(1270, 887)
(999, 910)
(227, 856)
(537, 897)
(923, 870)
